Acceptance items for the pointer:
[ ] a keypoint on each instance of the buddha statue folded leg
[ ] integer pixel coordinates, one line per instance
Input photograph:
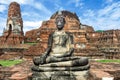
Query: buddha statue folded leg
(66, 61)
(75, 68)
(75, 63)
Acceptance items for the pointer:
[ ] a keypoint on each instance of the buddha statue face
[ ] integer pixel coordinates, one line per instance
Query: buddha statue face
(60, 22)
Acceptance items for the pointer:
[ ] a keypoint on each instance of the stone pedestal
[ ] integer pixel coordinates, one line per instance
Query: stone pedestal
(61, 75)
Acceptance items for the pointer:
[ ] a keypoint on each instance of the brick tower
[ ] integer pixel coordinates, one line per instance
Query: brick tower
(13, 33)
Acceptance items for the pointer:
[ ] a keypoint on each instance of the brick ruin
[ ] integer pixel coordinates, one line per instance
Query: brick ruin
(72, 25)
(87, 41)
(13, 32)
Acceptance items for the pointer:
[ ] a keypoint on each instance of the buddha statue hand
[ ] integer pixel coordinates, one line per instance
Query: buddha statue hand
(43, 59)
(39, 60)
(35, 68)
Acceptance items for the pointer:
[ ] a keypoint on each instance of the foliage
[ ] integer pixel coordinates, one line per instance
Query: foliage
(99, 30)
(109, 61)
(8, 63)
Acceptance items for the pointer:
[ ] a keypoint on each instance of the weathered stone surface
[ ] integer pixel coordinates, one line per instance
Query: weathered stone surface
(61, 75)
(88, 28)
(108, 38)
(13, 33)
(31, 36)
(35, 50)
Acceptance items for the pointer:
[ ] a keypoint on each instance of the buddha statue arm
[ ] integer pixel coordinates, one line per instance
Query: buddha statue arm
(48, 50)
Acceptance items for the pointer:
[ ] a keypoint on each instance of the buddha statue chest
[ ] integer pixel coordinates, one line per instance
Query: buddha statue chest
(60, 42)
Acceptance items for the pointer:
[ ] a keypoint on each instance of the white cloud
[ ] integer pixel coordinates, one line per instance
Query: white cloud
(108, 1)
(109, 9)
(89, 13)
(41, 7)
(2, 24)
(32, 3)
(2, 8)
(58, 7)
(116, 14)
(25, 14)
(106, 18)
(33, 16)
(30, 15)
(78, 3)
(38, 5)
(29, 25)
(19, 1)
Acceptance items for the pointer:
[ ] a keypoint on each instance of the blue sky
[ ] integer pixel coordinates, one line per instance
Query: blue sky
(101, 14)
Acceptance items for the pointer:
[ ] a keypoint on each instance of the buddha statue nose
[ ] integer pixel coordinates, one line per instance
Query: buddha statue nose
(59, 23)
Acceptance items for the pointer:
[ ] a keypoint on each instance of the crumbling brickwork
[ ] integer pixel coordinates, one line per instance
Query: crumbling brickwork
(72, 25)
(87, 41)
(13, 32)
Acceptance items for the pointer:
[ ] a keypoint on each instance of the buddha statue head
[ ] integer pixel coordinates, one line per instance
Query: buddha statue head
(60, 21)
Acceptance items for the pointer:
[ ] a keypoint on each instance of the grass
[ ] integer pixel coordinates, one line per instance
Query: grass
(31, 43)
(8, 63)
(109, 61)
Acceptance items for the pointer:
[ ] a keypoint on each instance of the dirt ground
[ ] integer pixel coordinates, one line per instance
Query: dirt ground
(98, 70)
(101, 70)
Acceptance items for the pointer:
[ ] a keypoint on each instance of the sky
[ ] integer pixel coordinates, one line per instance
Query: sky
(101, 14)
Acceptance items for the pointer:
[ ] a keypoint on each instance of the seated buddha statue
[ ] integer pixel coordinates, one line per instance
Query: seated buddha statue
(59, 54)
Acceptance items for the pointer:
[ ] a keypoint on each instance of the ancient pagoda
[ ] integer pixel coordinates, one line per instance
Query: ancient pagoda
(13, 32)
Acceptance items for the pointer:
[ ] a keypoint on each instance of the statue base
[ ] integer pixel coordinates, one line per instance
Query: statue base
(61, 75)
